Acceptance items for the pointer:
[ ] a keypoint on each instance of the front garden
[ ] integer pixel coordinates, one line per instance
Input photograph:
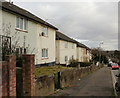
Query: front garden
(49, 70)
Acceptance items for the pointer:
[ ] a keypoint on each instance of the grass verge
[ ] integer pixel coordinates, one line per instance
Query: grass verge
(49, 70)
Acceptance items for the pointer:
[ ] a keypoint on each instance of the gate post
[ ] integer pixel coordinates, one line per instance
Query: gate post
(3, 77)
(11, 68)
(28, 67)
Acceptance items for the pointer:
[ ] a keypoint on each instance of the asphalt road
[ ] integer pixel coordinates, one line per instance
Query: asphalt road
(98, 83)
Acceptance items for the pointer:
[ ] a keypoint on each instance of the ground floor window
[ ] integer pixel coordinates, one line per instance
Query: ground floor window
(21, 51)
(66, 58)
(72, 56)
(44, 53)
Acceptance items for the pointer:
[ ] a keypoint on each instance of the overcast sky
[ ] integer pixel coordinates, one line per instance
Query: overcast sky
(89, 22)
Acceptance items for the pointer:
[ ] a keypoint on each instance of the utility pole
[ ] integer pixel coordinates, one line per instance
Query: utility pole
(100, 51)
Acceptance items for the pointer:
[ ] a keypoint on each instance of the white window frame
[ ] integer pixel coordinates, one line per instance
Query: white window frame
(45, 30)
(66, 58)
(21, 23)
(44, 53)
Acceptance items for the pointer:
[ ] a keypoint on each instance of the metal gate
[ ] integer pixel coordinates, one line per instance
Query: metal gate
(19, 82)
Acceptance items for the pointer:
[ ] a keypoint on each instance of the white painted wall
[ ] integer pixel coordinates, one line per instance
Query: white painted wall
(46, 42)
(83, 55)
(61, 51)
(89, 55)
(80, 55)
(33, 41)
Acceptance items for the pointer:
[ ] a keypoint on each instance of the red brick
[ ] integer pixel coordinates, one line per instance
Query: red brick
(12, 74)
(28, 80)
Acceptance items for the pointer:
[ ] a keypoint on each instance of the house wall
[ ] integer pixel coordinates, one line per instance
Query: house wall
(89, 55)
(57, 51)
(31, 38)
(80, 55)
(47, 42)
(62, 51)
(84, 55)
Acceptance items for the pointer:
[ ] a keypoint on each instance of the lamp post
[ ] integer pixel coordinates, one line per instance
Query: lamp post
(100, 51)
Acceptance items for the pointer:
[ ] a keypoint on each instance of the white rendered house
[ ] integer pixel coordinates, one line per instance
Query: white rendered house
(65, 49)
(83, 53)
(32, 34)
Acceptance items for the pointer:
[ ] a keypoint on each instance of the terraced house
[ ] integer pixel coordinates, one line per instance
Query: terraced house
(29, 33)
(83, 53)
(66, 49)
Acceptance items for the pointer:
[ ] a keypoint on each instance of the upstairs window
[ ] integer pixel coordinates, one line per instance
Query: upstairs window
(21, 23)
(45, 31)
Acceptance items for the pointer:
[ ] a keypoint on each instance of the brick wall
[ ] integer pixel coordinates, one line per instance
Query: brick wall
(8, 76)
(70, 75)
(44, 86)
(11, 68)
(28, 75)
(3, 79)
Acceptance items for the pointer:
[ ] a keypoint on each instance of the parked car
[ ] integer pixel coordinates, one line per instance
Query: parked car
(115, 66)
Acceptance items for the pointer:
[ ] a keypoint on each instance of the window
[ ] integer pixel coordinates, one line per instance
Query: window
(17, 22)
(66, 58)
(25, 24)
(44, 53)
(21, 51)
(21, 23)
(66, 44)
(45, 31)
(72, 56)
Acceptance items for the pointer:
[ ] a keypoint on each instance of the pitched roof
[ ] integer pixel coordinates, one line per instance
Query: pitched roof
(15, 9)
(61, 36)
(82, 45)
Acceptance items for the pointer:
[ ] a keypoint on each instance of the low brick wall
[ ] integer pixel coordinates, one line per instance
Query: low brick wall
(44, 86)
(68, 76)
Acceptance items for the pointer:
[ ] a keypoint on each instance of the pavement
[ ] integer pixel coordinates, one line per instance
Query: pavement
(99, 83)
(115, 79)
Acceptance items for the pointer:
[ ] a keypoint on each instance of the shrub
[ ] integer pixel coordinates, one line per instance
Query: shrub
(85, 64)
(73, 63)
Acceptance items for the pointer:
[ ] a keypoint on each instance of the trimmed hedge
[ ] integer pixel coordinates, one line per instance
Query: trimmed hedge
(73, 63)
(85, 64)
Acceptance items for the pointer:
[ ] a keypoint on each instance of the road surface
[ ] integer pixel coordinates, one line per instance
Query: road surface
(98, 83)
